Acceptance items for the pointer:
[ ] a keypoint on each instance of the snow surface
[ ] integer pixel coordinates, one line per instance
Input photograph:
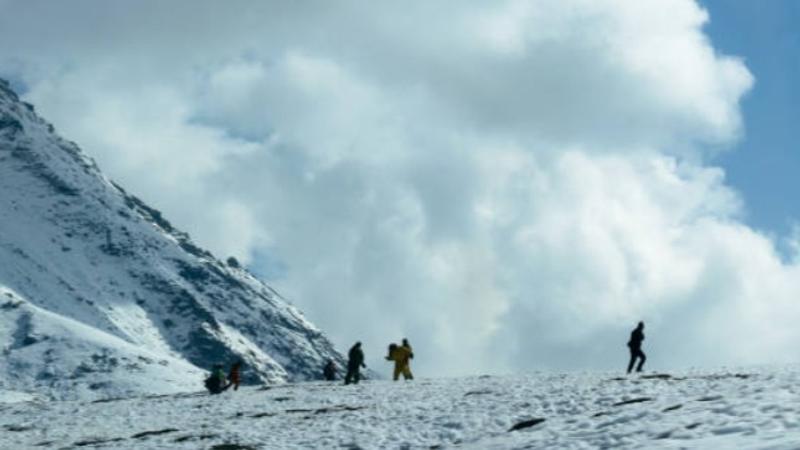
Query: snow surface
(735, 409)
(101, 296)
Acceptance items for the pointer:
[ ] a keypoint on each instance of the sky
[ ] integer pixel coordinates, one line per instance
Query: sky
(511, 185)
(763, 164)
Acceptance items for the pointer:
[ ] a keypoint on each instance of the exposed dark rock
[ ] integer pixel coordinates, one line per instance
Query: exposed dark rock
(196, 437)
(233, 262)
(664, 435)
(633, 400)
(17, 428)
(338, 408)
(40, 170)
(107, 400)
(96, 441)
(298, 410)
(656, 376)
(10, 125)
(232, 447)
(147, 212)
(479, 392)
(527, 424)
(144, 434)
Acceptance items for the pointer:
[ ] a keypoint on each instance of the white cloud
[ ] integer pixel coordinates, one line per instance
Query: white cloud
(510, 185)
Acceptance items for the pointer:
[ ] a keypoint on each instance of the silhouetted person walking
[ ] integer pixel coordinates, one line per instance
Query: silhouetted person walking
(635, 346)
(354, 364)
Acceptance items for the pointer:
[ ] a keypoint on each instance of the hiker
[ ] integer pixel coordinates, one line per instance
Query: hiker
(408, 346)
(215, 383)
(234, 376)
(400, 355)
(354, 364)
(329, 371)
(635, 346)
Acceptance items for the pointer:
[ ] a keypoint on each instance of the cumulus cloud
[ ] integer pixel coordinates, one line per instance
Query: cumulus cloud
(510, 185)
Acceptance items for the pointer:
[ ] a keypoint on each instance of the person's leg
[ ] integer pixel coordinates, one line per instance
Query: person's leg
(357, 375)
(632, 361)
(407, 373)
(642, 359)
(349, 376)
(397, 371)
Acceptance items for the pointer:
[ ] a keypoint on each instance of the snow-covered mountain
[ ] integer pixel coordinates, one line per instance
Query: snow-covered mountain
(101, 296)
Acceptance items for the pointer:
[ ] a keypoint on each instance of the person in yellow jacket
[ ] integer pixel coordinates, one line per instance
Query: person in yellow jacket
(408, 346)
(401, 356)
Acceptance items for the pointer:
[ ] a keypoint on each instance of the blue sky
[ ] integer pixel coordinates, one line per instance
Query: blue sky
(764, 165)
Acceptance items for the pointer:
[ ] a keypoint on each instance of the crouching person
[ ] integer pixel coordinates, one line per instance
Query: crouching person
(216, 382)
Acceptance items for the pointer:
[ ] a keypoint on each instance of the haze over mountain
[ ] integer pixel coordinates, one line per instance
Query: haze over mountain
(100, 295)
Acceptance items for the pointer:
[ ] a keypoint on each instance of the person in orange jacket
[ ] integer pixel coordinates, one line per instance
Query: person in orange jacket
(401, 356)
(234, 376)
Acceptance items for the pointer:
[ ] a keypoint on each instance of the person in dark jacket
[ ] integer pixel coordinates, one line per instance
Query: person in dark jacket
(354, 364)
(635, 346)
(329, 371)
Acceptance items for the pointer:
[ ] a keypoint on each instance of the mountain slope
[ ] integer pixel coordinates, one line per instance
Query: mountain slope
(78, 249)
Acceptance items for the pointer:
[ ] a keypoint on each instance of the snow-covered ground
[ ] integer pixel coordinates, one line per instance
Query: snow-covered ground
(743, 408)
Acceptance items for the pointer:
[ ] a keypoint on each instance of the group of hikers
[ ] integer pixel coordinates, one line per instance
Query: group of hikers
(218, 382)
(401, 355)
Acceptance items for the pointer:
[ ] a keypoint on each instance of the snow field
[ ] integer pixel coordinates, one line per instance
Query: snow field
(746, 408)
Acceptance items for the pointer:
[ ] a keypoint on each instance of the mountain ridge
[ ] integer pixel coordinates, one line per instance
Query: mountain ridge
(76, 244)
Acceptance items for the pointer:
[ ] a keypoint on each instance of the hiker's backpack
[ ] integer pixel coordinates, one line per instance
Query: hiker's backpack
(213, 384)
